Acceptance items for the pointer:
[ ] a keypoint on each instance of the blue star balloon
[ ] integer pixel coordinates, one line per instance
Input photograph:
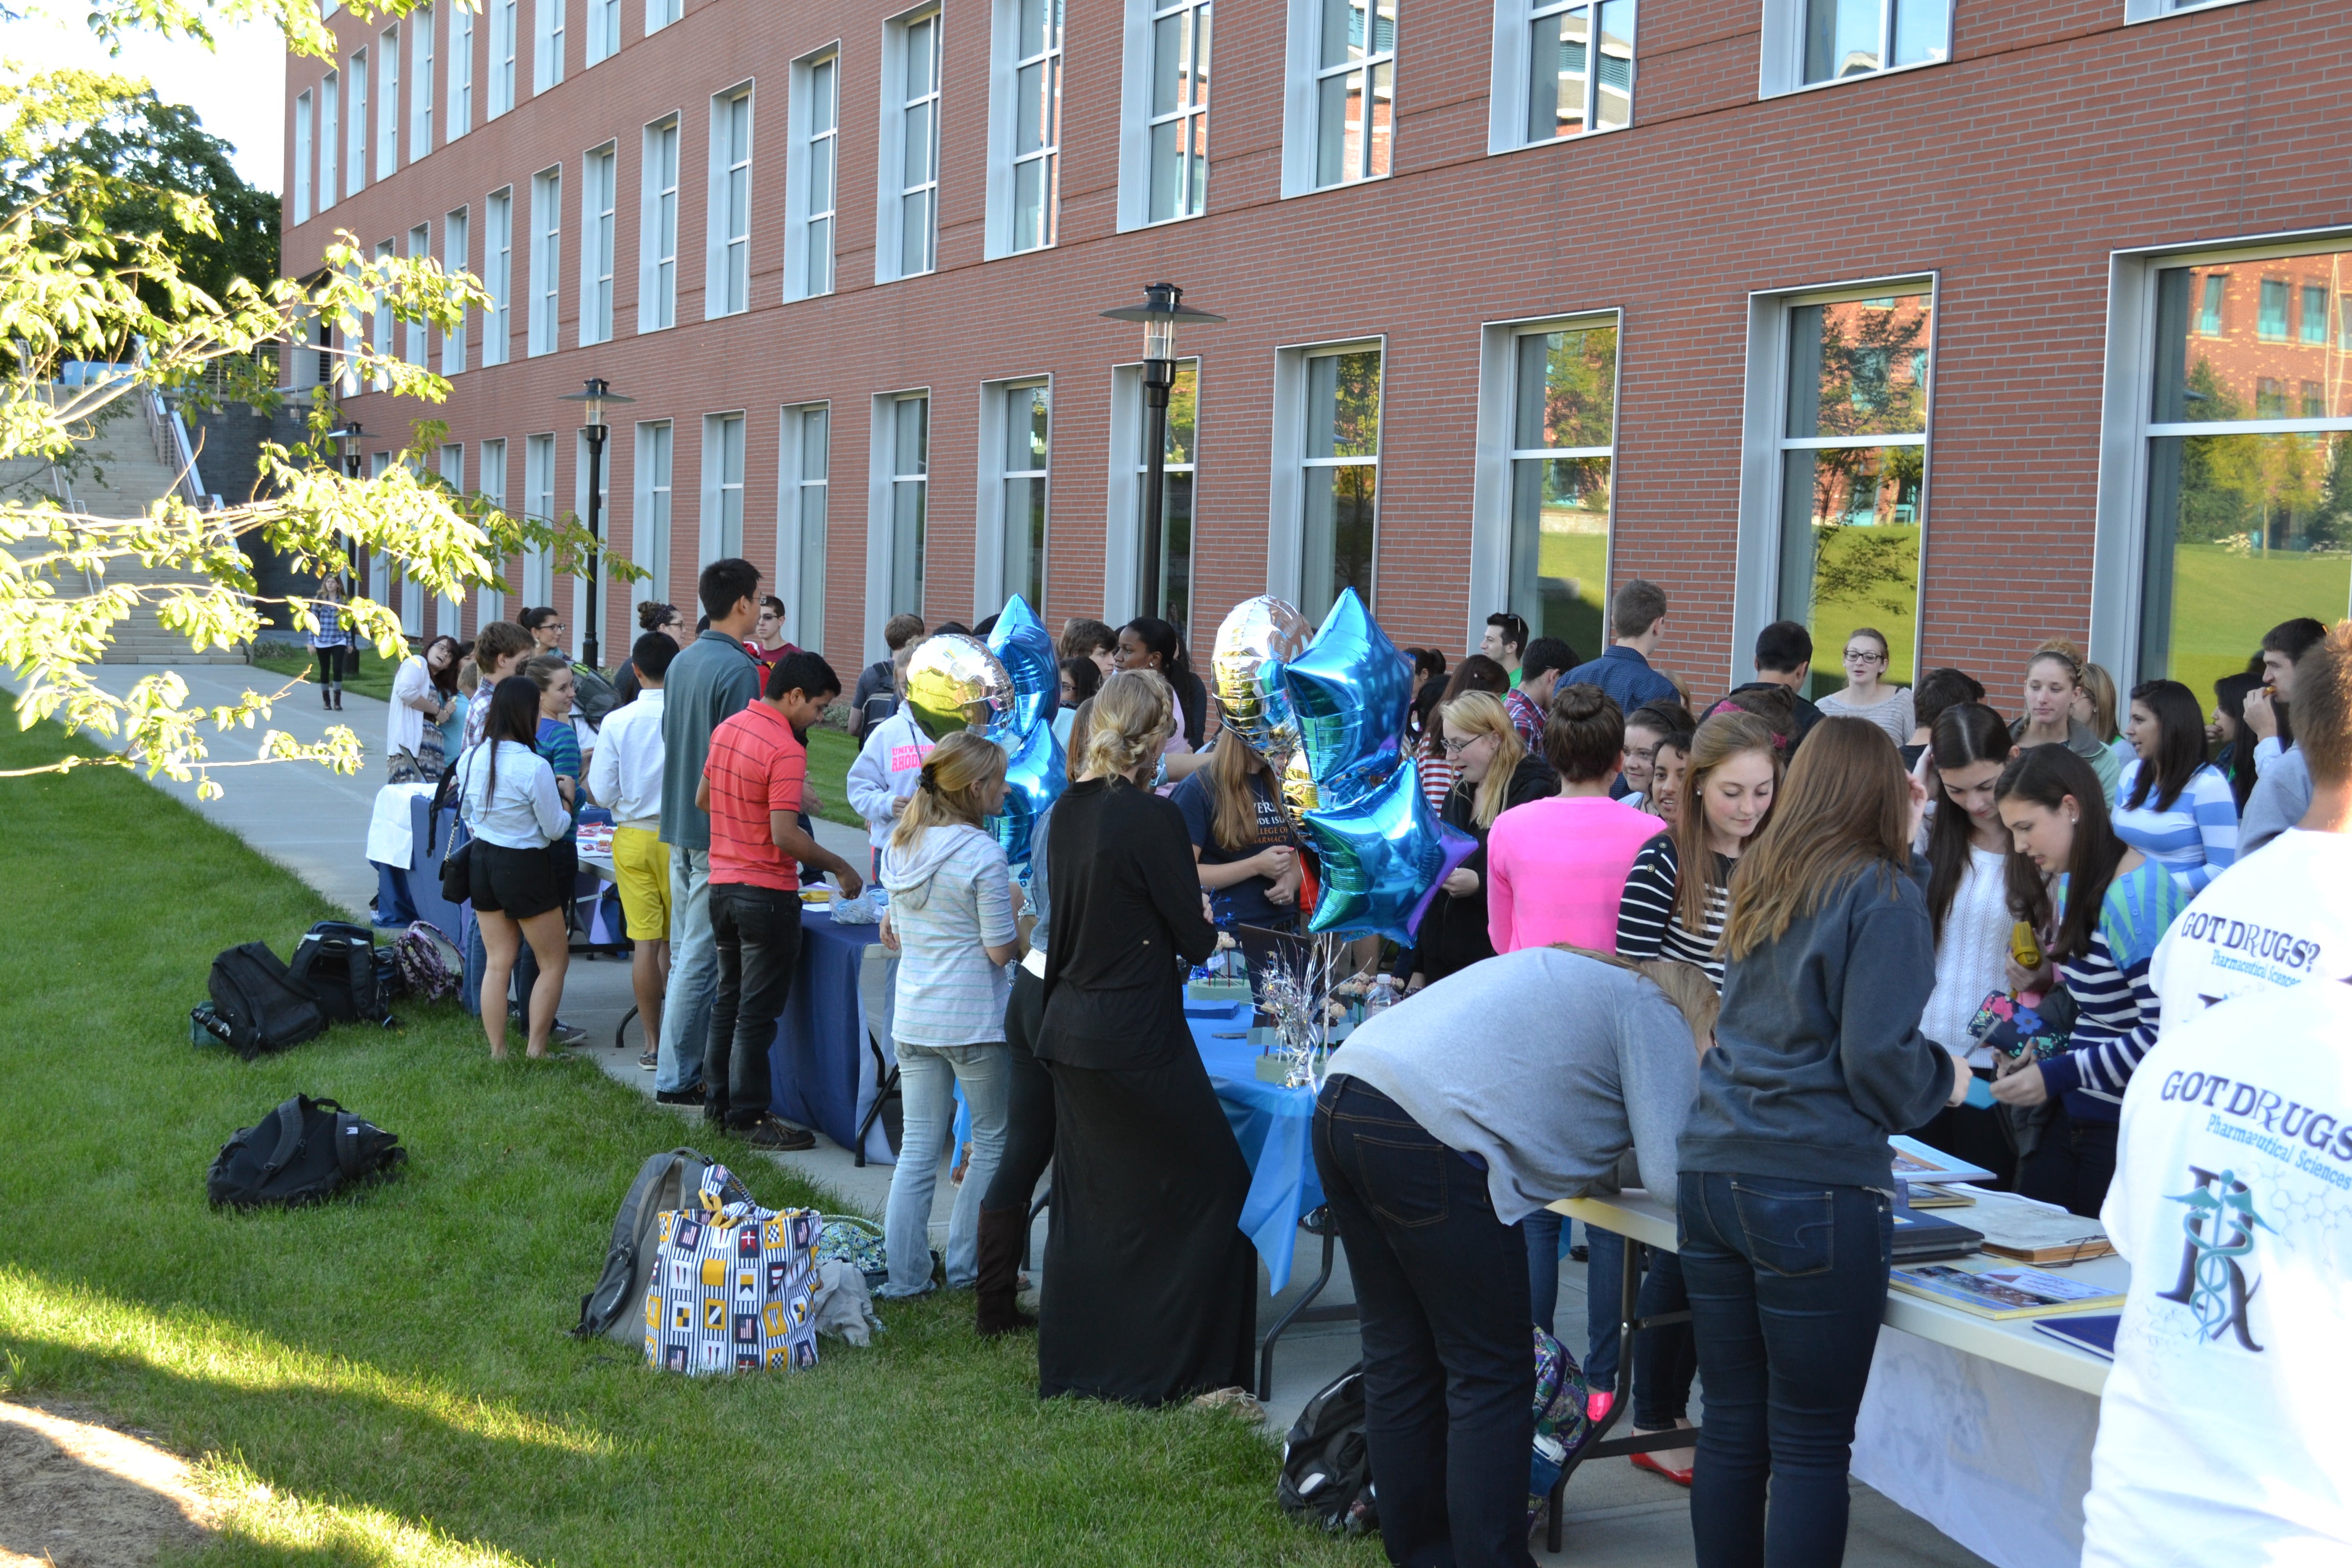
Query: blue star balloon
(1035, 778)
(1350, 691)
(1021, 643)
(1383, 854)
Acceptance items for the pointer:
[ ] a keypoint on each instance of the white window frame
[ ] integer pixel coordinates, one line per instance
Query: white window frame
(1756, 587)
(1302, 134)
(1001, 235)
(380, 328)
(603, 23)
(302, 156)
(660, 14)
(546, 44)
(1286, 567)
(498, 275)
(506, 47)
(809, 143)
(1136, 120)
(416, 347)
(456, 254)
(538, 502)
(452, 469)
(331, 130)
(892, 191)
(461, 70)
(882, 475)
(723, 494)
(599, 179)
(990, 513)
(1492, 476)
(655, 502)
(1506, 102)
(1780, 68)
(355, 120)
(420, 82)
(658, 216)
(1123, 494)
(803, 516)
(387, 104)
(2137, 11)
(544, 332)
(727, 229)
(491, 477)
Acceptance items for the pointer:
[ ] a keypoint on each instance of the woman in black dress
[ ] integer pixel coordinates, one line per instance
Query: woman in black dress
(1150, 1288)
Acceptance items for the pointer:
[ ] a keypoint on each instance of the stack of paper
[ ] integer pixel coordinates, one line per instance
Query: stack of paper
(2003, 1293)
(2037, 1233)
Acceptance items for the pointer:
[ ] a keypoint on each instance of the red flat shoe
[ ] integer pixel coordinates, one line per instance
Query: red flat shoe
(1644, 1462)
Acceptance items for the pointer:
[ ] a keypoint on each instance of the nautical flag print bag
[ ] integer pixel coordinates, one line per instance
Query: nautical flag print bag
(733, 1287)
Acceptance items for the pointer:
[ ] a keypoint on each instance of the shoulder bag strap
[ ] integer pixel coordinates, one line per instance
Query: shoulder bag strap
(289, 1136)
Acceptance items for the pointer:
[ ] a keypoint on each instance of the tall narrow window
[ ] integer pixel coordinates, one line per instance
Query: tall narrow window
(1178, 133)
(457, 239)
(1036, 148)
(1847, 38)
(330, 129)
(461, 70)
(1339, 529)
(538, 502)
(2215, 287)
(355, 167)
(506, 27)
(910, 467)
(728, 288)
(452, 470)
(380, 328)
(1563, 439)
(604, 30)
(1580, 59)
(653, 469)
(498, 276)
(910, 171)
(547, 44)
(387, 104)
(1179, 471)
(657, 229)
(809, 177)
(597, 198)
(546, 259)
(660, 14)
(302, 155)
(722, 486)
(489, 605)
(2249, 521)
(420, 82)
(1028, 420)
(800, 536)
(1853, 471)
(1355, 90)
(416, 348)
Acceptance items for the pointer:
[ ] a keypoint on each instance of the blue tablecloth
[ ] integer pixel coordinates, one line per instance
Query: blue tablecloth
(1274, 1127)
(820, 1047)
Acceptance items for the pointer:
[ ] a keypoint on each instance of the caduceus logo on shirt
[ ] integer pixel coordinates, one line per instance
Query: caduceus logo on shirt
(2219, 1230)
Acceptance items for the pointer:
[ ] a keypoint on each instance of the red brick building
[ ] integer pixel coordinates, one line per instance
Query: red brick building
(1856, 313)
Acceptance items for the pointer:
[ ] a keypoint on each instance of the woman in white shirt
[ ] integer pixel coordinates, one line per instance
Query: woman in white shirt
(1866, 694)
(507, 798)
(1968, 904)
(419, 707)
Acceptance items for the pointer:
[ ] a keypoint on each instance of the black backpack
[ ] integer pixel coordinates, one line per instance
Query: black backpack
(672, 1179)
(1326, 1471)
(259, 1004)
(303, 1153)
(337, 961)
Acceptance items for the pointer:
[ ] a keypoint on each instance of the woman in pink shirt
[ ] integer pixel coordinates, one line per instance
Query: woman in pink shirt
(1556, 868)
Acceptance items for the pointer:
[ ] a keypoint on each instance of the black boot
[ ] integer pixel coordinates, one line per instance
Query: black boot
(327, 698)
(339, 699)
(999, 1279)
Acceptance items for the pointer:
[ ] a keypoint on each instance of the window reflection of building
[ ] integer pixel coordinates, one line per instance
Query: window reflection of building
(1563, 448)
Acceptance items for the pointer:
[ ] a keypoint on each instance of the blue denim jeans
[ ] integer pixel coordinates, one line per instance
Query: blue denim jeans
(693, 972)
(1787, 1284)
(927, 1076)
(1662, 1363)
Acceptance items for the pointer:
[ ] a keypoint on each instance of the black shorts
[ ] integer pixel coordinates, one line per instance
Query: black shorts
(516, 883)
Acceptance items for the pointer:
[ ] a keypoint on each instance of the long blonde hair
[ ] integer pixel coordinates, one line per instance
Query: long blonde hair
(954, 774)
(1846, 807)
(1232, 761)
(1133, 713)
(1720, 740)
(1483, 713)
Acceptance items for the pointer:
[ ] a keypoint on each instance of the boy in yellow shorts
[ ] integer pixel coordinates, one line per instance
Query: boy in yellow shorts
(625, 774)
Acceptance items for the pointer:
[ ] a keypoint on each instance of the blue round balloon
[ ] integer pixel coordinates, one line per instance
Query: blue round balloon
(1035, 777)
(1352, 690)
(1383, 854)
(1021, 643)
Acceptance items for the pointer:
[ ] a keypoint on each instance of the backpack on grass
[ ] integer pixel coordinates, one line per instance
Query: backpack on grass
(258, 1005)
(336, 959)
(1326, 1470)
(429, 964)
(664, 1182)
(734, 1289)
(305, 1152)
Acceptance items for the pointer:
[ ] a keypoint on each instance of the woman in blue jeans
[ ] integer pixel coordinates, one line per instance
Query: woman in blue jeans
(1786, 1181)
(952, 904)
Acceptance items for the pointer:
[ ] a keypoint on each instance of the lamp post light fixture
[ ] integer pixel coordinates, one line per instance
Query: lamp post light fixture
(347, 439)
(596, 393)
(1163, 306)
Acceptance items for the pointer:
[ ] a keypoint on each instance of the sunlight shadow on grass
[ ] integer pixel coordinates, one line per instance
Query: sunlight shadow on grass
(259, 1524)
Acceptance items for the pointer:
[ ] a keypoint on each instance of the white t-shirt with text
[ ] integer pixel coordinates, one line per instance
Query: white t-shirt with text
(2281, 915)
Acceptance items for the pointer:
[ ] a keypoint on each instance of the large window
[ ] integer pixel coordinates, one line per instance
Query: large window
(330, 137)
(461, 70)
(546, 259)
(658, 229)
(420, 82)
(1809, 43)
(1179, 491)
(387, 104)
(597, 202)
(498, 276)
(722, 486)
(807, 460)
(1339, 532)
(356, 165)
(1853, 469)
(1178, 124)
(538, 502)
(417, 336)
(1343, 120)
(653, 532)
(660, 14)
(455, 256)
(604, 30)
(1020, 463)
(506, 26)
(2249, 516)
(547, 44)
(380, 328)
(809, 175)
(490, 603)
(1563, 444)
(906, 237)
(727, 288)
(909, 435)
(1026, 155)
(302, 156)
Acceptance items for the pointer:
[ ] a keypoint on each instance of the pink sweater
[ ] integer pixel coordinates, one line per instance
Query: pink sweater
(1556, 870)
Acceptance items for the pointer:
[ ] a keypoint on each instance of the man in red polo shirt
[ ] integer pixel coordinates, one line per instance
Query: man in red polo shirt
(753, 785)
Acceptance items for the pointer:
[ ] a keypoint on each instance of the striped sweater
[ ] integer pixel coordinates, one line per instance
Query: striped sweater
(2115, 1000)
(1647, 923)
(2195, 837)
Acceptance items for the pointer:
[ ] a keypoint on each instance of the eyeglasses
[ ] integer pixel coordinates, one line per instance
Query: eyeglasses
(1864, 656)
(1454, 748)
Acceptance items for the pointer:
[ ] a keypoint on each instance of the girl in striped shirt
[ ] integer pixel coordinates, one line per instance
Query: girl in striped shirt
(2171, 804)
(2110, 905)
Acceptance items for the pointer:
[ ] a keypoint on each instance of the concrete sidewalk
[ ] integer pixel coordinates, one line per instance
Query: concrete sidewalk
(315, 823)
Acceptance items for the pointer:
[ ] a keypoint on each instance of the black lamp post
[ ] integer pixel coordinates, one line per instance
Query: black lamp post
(596, 395)
(348, 438)
(1163, 306)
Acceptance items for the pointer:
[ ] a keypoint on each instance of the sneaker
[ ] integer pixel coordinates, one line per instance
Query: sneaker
(769, 1133)
(649, 1058)
(678, 1096)
(564, 1034)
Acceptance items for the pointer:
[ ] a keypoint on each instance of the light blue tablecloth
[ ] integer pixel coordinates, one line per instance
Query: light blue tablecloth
(1274, 1128)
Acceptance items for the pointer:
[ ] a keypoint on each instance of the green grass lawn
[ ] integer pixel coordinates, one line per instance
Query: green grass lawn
(830, 752)
(373, 678)
(387, 1379)
(2222, 603)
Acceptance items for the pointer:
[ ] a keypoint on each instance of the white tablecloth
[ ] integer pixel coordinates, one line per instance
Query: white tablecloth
(391, 837)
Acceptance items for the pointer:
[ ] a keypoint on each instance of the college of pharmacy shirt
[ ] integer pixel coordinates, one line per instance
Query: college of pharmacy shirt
(2279, 917)
(2222, 1432)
